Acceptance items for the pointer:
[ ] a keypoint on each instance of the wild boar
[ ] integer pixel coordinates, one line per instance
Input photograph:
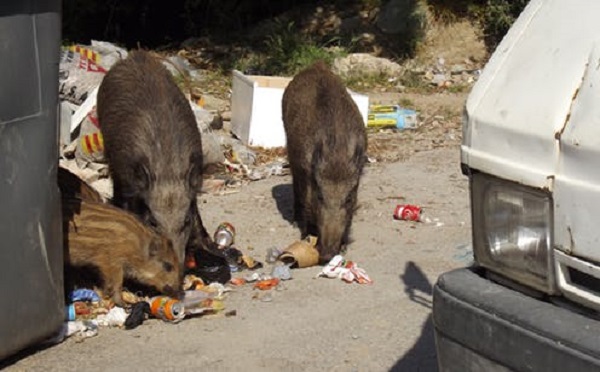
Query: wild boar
(73, 187)
(326, 145)
(119, 246)
(153, 148)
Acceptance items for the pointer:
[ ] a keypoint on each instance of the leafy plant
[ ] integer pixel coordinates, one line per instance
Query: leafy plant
(289, 51)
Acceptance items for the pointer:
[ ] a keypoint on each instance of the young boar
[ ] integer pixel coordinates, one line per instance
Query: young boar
(326, 144)
(119, 246)
(153, 148)
(73, 187)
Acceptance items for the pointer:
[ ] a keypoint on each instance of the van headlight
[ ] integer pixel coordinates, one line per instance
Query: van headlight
(512, 231)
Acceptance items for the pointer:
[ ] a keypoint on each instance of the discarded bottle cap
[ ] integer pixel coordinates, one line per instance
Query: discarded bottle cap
(302, 253)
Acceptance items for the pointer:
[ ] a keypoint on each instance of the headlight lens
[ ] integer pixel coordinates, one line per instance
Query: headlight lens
(512, 231)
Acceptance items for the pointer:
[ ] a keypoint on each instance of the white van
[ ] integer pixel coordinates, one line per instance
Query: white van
(531, 150)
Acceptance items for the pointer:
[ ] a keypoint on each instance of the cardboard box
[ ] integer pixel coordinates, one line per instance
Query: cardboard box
(256, 109)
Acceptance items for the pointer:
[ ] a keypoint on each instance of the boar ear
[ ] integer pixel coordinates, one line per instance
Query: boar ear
(142, 176)
(154, 247)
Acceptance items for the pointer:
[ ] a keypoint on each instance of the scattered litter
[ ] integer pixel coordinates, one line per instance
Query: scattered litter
(224, 235)
(192, 282)
(348, 271)
(266, 171)
(233, 257)
(116, 317)
(266, 284)
(199, 302)
(250, 263)
(301, 253)
(139, 312)
(252, 277)
(273, 254)
(82, 329)
(79, 328)
(222, 187)
(167, 308)
(238, 281)
(84, 295)
(282, 272)
(210, 272)
(383, 116)
(408, 212)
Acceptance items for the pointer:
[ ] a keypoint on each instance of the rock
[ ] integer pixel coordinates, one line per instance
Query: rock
(214, 103)
(457, 69)
(438, 79)
(204, 118)
(226, 115)
(364, 64)
(211, 149)
(217, 122)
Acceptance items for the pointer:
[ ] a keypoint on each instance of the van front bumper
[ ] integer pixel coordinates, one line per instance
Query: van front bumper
(483, 326)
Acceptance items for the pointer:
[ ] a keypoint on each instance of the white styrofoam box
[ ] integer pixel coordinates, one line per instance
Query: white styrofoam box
(256, 109)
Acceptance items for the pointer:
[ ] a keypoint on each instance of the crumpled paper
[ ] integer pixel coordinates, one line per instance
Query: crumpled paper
(346, 270)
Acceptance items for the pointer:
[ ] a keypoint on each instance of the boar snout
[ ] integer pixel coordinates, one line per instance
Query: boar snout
(333, 233)
(173, 292)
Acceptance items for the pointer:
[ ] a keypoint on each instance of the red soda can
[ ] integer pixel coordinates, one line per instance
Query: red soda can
(407, 212)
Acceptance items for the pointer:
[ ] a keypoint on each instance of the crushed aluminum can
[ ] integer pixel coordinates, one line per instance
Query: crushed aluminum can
(224, 235)
(407, 212)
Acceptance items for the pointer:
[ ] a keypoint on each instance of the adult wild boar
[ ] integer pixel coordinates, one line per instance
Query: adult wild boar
(326, 144)
(153, 148)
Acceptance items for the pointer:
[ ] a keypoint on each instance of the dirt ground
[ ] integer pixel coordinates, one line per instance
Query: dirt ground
(318, 324)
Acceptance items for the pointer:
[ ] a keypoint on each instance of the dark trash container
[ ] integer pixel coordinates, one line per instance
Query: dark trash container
(31, 267)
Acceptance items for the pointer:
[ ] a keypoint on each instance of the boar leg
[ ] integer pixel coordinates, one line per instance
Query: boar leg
(199, 237)
(298, 181)
(113, 285)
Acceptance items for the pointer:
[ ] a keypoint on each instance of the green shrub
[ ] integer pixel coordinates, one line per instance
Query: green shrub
(287, 51)
(497, 17)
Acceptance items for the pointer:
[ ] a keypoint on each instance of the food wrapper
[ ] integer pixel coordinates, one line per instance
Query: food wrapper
(348, 271)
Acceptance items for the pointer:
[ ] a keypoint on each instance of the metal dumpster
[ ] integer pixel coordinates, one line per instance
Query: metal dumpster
(31, 267)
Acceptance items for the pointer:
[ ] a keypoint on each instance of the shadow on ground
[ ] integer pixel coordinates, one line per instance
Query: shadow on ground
(284, 198)
(422, 356)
